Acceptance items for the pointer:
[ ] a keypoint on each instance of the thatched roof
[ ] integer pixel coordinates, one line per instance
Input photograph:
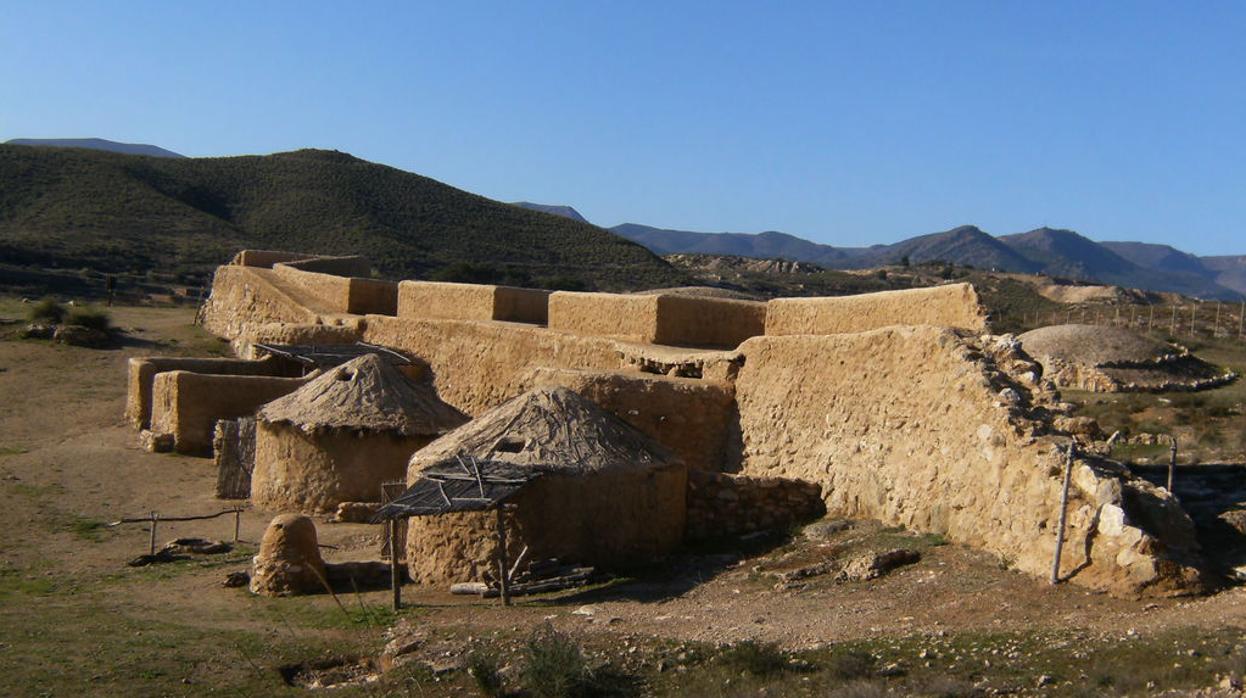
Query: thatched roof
(549, 429)
(367, 394)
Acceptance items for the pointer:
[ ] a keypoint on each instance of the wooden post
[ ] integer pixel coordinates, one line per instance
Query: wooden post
(1173, 331)
(1064, 515)
(1193, 317)
(1215, 332)
(503, 567)
(1150, 324)
(1117, 320)
(237, 522)
(395, 581)
(1172, 466)
(154, 518)
(1241, 320)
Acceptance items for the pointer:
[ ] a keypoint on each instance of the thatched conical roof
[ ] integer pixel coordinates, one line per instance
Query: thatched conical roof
(367, 394)
(552, 429)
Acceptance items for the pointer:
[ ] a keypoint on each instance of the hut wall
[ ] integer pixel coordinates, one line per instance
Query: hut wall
(708, 322)
(187, 404)
(245, 296)
(909, 426)
(313, 473)
(474, 365)
(952, 305)
(456, 301)
(143, 370)
(694, 418)
(614, 520)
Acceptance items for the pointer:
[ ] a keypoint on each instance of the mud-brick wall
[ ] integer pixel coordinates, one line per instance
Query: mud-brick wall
(952, 305)
(658, 318)
(721, 505)
(909, 425)
(187, 404)
(143, 370)
(245, 296)
(455, 301)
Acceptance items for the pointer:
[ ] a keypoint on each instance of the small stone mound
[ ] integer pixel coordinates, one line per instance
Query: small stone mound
(1091, 344)
(289, 561)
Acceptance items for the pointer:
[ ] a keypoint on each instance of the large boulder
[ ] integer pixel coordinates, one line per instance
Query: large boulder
(289, 560)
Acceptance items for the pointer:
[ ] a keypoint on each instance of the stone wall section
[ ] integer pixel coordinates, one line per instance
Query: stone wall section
(722, 506)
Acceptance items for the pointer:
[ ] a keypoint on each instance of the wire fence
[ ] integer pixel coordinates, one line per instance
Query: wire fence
(1205, 319)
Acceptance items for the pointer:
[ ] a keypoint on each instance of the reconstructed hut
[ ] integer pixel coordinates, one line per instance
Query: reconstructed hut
(606, 494)
(1114, 359)
(339, 437)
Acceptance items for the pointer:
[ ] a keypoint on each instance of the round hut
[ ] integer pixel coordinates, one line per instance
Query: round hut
(606, 495)
(339, 437)
(1115, 359)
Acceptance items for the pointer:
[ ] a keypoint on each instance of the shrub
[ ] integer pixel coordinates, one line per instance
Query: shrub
(483, 666)
(47, 311)
(556, 668)
(756, 658)
(847, 665)
(89, 317)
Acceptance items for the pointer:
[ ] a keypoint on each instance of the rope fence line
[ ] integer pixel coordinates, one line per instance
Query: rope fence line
(154, 518)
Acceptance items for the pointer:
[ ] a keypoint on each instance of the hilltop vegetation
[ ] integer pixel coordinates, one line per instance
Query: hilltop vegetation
(101, 211)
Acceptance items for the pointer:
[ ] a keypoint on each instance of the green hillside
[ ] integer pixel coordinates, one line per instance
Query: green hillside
(105, 212)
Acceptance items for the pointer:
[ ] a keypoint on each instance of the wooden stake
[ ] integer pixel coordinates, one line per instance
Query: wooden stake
(1173, 331)
(395, 582)
(1193, 316)
(1172, 466)
(237, 523)
(503, 567)
(154, 518)
(1215, 332)
(1064, 515)
(1150, 324)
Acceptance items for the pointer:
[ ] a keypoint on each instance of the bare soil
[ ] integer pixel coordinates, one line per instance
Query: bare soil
(75, 619)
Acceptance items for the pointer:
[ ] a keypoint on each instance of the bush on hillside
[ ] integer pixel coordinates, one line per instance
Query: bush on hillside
(92, 318)
(47, 312)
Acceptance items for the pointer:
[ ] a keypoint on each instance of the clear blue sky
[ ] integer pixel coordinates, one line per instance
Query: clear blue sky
(848, 123)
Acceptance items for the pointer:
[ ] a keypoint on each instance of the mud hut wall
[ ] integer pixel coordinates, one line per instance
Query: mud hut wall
(265, 259)
(694, 418)
(951, 305)
(633, 318)
(187, 404)
(143, 370)
(314, 472)
(708, 322)
(245, 296)
(613, 520)
(474, 365)
(903, 425)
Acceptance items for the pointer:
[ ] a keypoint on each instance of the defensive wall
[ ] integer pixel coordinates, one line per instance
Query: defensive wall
(434, 300)
(143, 370)
(894, 403)
(187, 405)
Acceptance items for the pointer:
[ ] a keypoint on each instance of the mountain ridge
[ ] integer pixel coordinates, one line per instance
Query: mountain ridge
(97, 144)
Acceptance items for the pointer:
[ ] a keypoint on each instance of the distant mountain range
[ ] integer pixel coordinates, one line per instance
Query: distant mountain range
(1059, 253)
(98, 144)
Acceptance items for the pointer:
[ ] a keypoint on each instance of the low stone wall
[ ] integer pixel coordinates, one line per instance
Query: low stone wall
(187, 405)
(952, 305)
(455, 301)
(143, 371)
(667, 319)
(917, 426)
(721, 505)
(693, 418)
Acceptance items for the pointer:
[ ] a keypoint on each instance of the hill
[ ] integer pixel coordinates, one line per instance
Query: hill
(965, 245)
(101, 211)
(564, 211)
(767, 245)
(98, 144)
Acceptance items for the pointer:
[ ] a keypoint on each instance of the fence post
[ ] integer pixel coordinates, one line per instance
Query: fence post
(1215, 332)
(1173, 330)
(154, 518)
(237, 522)
(1172, 466)
(1064, 513)
(395, 581)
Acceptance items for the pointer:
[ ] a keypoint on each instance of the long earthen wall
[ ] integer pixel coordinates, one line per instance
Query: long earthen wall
(910, 426)
(187, 404)
(143, 370)
(435, 300)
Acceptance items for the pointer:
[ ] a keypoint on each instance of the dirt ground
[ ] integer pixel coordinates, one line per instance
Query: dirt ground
(74, 619)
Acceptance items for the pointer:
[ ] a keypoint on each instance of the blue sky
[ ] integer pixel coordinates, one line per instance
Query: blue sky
(847, 123)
